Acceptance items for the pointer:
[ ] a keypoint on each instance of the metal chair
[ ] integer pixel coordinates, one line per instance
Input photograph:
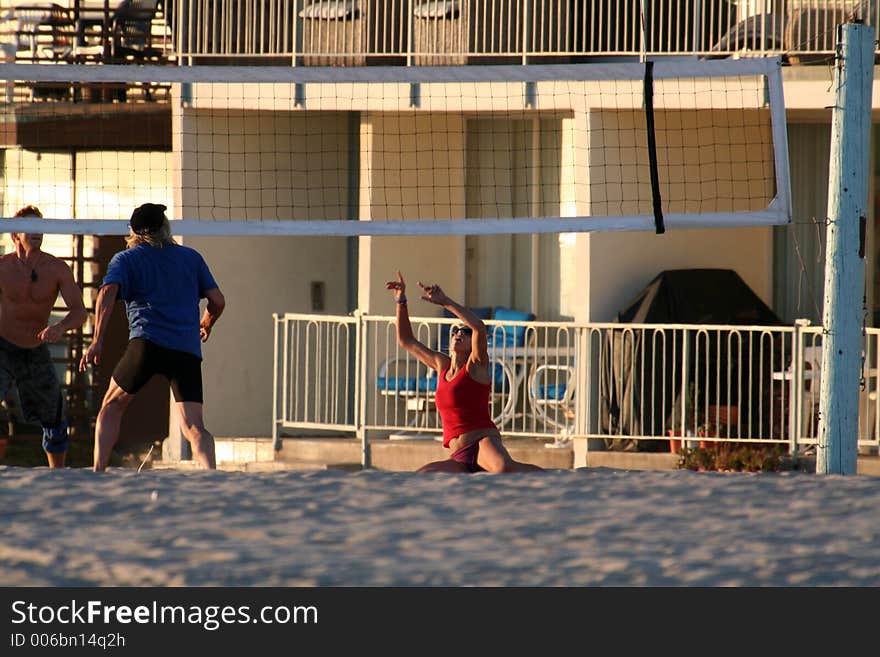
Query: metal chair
(812, 377)
(41, 32)
(408, 380)
(126, 35)
(551, 391)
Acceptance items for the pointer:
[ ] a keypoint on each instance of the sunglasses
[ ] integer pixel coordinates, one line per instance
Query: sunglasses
(464, 330)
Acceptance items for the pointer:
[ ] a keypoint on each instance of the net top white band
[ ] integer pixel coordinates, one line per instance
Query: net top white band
(394, 74)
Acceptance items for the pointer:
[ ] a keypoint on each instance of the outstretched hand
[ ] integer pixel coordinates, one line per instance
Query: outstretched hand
(434, 294)
(399, 286)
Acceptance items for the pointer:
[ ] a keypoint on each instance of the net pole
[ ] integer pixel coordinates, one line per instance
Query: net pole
(845, 265)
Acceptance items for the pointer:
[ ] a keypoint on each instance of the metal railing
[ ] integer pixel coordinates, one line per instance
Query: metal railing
(628, 386)
(455, 32)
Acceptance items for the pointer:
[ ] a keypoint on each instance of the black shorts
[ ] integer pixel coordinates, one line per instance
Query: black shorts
(142, 359)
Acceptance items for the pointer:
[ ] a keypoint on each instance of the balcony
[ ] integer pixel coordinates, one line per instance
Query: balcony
(427, 32)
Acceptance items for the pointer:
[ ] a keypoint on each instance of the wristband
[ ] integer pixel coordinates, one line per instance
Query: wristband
(401, 300)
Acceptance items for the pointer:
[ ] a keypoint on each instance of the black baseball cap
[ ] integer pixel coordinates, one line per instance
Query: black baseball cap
(147, 218)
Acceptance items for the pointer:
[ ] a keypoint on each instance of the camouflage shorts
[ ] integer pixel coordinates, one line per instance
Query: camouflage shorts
(33, 372)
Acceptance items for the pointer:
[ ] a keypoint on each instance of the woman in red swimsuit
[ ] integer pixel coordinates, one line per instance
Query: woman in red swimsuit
(463, 388)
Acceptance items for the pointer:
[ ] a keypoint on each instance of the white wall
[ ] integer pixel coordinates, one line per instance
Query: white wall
(618, 264)
(297, 169)
(403, 177)
(259, 276)
(431, 259)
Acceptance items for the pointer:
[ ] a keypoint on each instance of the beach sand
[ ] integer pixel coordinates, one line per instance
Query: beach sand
(569, 528)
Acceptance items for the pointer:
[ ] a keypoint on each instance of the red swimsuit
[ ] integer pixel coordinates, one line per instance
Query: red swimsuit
(463, 404)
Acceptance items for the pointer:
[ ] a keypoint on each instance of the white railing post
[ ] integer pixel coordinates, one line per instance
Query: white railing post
(797, 386)
(297, 36)
(361, 388)
(643, 40)
(276, 433)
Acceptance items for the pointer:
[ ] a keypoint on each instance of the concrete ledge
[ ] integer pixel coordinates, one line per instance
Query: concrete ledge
(407, 455)
(868, 465)
(243, 450)
(865, 464)
(325, 450)
(631, 460)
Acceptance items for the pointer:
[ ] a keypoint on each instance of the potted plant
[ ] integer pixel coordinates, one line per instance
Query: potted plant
(701, 420)
(683, 426)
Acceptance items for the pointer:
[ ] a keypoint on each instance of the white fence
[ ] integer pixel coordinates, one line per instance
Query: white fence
(430, 32)
(627, 386)
(452, 32)
(437, 32)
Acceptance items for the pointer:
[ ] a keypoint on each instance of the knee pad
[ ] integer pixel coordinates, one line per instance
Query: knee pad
(55, 438)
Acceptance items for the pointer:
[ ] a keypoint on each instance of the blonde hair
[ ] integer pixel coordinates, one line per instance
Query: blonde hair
(158, 238)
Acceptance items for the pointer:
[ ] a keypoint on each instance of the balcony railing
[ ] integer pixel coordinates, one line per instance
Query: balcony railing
(454, 32)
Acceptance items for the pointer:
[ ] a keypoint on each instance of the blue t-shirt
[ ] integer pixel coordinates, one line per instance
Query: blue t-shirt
(161, 288)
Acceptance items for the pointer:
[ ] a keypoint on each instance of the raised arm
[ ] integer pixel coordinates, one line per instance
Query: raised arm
(428, 357)
(479, 341)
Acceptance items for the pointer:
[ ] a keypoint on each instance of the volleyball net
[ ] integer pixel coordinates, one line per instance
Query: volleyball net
(414, 150)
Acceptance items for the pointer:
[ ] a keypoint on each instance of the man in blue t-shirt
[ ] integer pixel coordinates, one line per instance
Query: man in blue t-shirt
(161, 283)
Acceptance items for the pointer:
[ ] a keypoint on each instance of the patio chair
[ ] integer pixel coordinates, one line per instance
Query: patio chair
(551, 391)
(125, 36)
(811, 32)
(812, 378)
(40, 32)
(759, 33)
(405, 379)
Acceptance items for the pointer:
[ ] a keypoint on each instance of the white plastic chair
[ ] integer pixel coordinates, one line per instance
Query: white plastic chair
(812, 388)
(812, 377)
(551, 391)
(407, 379)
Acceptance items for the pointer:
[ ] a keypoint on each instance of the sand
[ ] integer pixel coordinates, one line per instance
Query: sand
(569, 528)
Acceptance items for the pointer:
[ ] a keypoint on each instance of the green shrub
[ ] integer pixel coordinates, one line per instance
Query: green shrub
(732, 457)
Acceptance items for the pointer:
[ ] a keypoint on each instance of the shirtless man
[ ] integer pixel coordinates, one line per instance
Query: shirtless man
(30, 281)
